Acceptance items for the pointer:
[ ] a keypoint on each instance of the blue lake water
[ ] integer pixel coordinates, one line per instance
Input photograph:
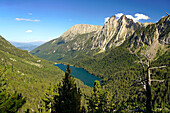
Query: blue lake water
(81, 74)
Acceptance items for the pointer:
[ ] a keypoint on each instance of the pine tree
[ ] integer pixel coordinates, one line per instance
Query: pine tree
(69, 99)
(95, 99)
(9, 103)
(100, 101)
(48, 99)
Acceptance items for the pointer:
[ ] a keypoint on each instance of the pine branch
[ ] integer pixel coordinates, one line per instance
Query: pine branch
(136, 110)
(140, 61)
(165, 42)
(157, 67)
(157, 80)
(139, 82)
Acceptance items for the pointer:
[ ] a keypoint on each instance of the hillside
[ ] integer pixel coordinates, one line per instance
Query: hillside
(28, 74)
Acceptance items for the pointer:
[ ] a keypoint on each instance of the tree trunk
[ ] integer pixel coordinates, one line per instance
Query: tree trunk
(148, 90)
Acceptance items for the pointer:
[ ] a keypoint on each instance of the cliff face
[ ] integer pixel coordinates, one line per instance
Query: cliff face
(81, 29)
(78, 30)
(158, 32)
(163, 27)
(154, 36)
(115, 32)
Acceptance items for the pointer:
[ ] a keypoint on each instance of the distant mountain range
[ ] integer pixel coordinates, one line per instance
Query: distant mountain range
(27, 45)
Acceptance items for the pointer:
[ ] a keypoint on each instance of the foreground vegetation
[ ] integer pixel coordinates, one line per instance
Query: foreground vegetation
(66, 97)
(29, 75)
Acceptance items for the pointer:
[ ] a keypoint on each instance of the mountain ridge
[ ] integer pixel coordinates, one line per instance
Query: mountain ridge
(114, 33)
(78, 30)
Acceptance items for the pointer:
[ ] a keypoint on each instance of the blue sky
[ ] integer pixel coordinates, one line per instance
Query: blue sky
(42, 20)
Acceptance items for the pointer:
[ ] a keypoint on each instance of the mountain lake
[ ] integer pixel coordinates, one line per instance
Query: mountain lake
(81, 74)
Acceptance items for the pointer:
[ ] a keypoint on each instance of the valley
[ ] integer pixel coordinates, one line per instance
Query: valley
(122, 66)
(29, 75)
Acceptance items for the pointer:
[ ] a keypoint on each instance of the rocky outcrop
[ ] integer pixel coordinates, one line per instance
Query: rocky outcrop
(78, 30)
(153, 37)
(164, 30)
(115, 32)
(153, 32)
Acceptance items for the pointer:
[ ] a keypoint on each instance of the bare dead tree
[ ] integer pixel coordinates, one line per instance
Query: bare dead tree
(166, 43)
(166, 13)
(147, 81)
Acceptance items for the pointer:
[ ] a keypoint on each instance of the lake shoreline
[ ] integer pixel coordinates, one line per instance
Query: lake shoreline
(80, 73)
(78, 67)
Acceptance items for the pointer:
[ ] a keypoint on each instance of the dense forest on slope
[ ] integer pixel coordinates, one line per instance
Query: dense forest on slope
(117, 94)
(68, 98)
(10, 100)
(29, 75)
(65, 51)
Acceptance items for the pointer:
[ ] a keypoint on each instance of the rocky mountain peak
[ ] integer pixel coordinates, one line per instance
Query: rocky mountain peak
(111, 19)
(123, 17)
(81, 29)
(115, 32)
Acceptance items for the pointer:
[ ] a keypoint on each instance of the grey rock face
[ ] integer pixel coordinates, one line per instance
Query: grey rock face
(152, 33)
(78, 30)
(164, 30)
(115, 32)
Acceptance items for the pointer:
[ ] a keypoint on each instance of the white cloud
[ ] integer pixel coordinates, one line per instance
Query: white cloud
(118, 15)
(136, 18)
(24, 19)
(106, 19)
(29, 13)
(29, 31)
(130, 16)
(141, 16)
